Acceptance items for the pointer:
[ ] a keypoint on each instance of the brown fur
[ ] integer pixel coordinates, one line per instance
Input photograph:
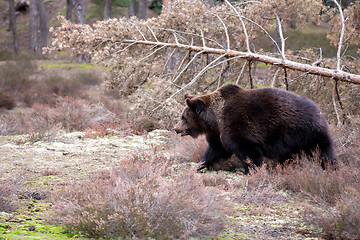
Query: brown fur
(255, 124)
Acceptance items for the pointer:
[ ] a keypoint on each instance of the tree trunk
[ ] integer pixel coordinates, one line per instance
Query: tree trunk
(43, 25)
(325, 72)
(138, 8)
(142, 9)
(131, 9)
(211, 2)
(292, 22)
(107, 9)
(69, 8)
(79, 12)
(79, 19)
(34, 26)
(12, 25)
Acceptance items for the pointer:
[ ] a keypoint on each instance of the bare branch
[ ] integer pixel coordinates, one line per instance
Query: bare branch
(325, 72)
(203, 38)
(187, 65)
(250, 76)
(338, 55)
(188, 53)
(264, 31)
(286, 79)
(243, 25)
(149, 55)
(241, 72)
(247, 2)
(335, 108)
(176, 39)
(191, 82)
(278, 22)
(317, 62)
(226, 32)
(142, 34)
(192, 34)
(168, 60)
(125, 48)
(152, 32)
(339, 100)
(274, 78)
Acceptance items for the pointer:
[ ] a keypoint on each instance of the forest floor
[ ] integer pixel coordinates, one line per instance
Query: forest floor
(43, 168)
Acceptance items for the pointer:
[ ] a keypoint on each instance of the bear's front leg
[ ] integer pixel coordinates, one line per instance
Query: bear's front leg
(214, 153)
(245, 149)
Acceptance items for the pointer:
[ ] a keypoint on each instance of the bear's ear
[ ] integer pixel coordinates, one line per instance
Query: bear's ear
(196, 105)
(188, 96)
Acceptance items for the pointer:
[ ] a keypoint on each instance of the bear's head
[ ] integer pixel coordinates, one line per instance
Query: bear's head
(194, 117)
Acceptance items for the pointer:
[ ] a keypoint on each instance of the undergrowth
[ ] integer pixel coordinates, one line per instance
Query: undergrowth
(7, 191)
(144, 198)
(332, 195)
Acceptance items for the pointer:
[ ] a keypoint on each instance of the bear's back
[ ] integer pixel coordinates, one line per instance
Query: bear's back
(266, 102)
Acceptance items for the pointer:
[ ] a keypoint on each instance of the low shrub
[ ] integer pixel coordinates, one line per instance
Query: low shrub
(141, 199)
(341, 221)
(15, 75)
(6, 100)
(43, 121)
(6, 192)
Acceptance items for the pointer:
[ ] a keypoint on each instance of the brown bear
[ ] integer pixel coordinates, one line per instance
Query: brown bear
(255, 124)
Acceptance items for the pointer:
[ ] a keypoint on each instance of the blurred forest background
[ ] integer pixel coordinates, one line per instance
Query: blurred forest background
(83, 96)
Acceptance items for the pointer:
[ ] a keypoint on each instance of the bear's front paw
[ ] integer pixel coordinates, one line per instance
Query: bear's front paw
(201, 166)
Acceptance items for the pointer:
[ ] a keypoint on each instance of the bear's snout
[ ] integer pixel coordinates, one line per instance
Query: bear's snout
(177, 130)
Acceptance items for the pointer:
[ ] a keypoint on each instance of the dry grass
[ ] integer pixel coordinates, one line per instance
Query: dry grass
(142, 199)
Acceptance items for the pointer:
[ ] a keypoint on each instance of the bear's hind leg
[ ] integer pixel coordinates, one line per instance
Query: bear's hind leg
(248, 151)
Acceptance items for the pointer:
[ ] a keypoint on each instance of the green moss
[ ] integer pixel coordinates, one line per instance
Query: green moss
(86, 66)
(63, 53)
(28, 223)
(234, 235)
(262, 65)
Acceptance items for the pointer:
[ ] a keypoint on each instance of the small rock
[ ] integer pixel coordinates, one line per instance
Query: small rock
(32, 228)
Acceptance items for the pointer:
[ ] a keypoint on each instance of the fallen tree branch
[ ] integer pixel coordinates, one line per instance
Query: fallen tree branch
(302, 67)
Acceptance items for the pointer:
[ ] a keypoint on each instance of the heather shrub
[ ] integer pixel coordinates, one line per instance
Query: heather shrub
(15, 75)
(6, 100)
(46, 89)
(306, 175)
(142, 199)
(73, 86)
(6, 201)
(341, 221)
(261, 188)
(43, 121)
(15, 80)
(77, 114)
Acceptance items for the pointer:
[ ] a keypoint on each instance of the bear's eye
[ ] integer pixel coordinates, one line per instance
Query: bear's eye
(183, 118)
